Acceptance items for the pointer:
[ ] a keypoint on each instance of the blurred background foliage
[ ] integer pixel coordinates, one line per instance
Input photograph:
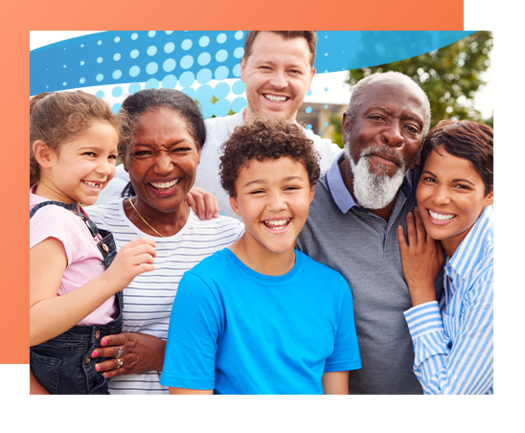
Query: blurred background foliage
(450, 77)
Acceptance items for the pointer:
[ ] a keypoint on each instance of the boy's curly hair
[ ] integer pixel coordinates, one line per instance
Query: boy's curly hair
(266, 138)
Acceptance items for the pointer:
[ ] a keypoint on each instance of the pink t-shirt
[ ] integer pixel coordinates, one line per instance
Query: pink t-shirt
(84, 260)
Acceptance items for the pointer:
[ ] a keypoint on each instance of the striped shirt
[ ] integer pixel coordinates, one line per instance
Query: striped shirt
(149, 297)
(453, 342)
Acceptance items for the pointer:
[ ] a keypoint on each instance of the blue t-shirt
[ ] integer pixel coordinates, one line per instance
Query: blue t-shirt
(237, 331)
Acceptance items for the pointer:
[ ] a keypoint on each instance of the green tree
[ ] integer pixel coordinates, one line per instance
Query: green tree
(449, 76)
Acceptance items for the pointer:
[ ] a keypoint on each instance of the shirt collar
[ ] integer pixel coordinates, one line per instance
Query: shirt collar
(340, 194)
(470, 251)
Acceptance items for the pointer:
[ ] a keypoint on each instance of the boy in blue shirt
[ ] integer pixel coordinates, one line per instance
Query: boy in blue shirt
(259, 317)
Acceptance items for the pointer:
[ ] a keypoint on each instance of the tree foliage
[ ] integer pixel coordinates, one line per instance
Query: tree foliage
(449, 76)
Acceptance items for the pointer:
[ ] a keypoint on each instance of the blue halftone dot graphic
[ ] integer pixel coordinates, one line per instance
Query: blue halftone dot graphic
(152, 68)
(117, 57)
(325, 123)
(204, 76)
(239, 35)
(82, 80)
(204, 59)
(134, 88)
(238, 87)
(326, 106)
(117, 74)
(186, 62)
(169, 47)
(117, 91)
(116, 107)
(82, 63)
(99, 60)
(134, 36)
(238, 53)
(238, 104)
(308, 93)
(308, 126)
(134, 54)
(189, 91)
(99, 42)
(221, 108)
(169, 82)
(65, 66)
(134, 71)
(64, 83)
(117, 39)
(99, 94)
(152, 33)
(237, 70)
(204, 41)
(326, 89)
(206, 109)
(152, 83)
(186, 44)
(221, 55)
(308, 109)
(222, 90)
(169, 32)
(99, 77)
(221, 73)
(204, 93)
(187, 79)
(152, 50)
(221, 38)
(169, 65)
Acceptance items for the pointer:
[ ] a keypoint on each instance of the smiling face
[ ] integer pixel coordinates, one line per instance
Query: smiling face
(451, 197)
(162, 161)
(81, 167)
(388, 126)
(277, 76)
(273, 197)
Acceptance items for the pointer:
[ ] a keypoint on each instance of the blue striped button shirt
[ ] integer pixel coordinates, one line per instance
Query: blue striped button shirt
(453, 341)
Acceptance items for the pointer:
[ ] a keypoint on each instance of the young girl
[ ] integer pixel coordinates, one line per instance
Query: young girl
(73, 148)
(453, 338)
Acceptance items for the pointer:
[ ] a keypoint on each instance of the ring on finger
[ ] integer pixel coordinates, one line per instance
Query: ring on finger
(120, 352)
(120, 363)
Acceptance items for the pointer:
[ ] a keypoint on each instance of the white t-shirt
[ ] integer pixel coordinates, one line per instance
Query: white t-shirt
(218, 130)
(149, 297)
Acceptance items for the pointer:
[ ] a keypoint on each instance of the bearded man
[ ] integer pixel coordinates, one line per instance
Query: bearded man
(358, 205)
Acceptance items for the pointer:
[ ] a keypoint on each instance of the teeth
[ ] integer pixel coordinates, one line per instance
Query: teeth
(440, 217)
(92, 184)
(275, 98)
(277, 224)
(161, 185)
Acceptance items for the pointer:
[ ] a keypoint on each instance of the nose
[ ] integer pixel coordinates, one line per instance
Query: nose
(278, 80)
(276, 202)
(105, 167)
(392, 134)
(441, 195)
(163, 163)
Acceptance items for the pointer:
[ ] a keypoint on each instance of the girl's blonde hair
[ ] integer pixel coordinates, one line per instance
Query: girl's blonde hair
(57, 118)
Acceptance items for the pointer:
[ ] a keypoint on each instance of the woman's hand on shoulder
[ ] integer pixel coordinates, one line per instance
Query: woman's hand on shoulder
(422, 259)
(140, 353)
(203, 203)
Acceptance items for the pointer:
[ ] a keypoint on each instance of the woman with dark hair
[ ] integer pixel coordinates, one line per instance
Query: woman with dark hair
(453, 339)
(160, 145)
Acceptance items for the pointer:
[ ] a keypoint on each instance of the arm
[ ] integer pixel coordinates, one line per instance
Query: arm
(35, 387)
(51, 315)
(421, 260)
(184, 391)
(335, 382)
(466, 368)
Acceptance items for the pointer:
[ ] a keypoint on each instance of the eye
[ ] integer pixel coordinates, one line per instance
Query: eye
(291, 188)
(181, 149)
(461, 186)
(90, 154)
(257, 191)
(412, 129)
(113, 157)
(429, 179)
(140, 153)
(375, 117)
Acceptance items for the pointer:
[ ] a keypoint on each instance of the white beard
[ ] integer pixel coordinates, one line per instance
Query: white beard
(374, 191)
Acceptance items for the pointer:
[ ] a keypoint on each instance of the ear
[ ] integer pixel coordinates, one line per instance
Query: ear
(345, 124)
(312, 191)
(311, 78)
(489, 199)
(235, 207)
(417, 161)
(243, 67)
(45, 155)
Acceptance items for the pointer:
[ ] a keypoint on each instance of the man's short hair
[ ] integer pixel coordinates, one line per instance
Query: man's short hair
(310, 36)
(263, 139)
(357, 97)
(465, 139)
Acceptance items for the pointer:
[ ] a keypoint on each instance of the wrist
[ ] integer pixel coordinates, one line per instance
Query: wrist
(421, 293)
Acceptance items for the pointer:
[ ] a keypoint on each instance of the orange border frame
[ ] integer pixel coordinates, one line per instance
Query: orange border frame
(18, 18)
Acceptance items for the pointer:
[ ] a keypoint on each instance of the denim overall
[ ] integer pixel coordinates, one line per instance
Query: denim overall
(63, 365)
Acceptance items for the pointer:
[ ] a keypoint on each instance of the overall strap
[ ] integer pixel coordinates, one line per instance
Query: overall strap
(104, 239)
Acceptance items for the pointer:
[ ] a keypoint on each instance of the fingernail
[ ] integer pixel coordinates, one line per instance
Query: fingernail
(94, 354)
(416, 209)
(400, 227)
(410, 215)
(97, 368)
(103, 342)
(105, 375)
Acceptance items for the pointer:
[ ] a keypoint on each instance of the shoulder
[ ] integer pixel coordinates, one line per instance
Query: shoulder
(321, 272)
(105, 214)
(221, 225)
(210, 269)
(218, 127)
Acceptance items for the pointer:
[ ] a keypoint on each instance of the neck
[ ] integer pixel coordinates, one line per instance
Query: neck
(165, 223)
(47, 190)
(348, 179)
(262, 260)
(248, 115)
